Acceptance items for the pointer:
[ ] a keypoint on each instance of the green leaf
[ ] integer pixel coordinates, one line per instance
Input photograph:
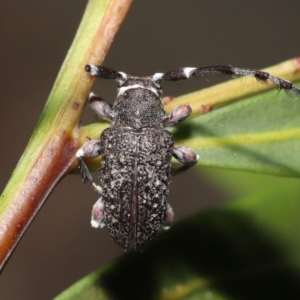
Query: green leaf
(259, 134)
(248, 249)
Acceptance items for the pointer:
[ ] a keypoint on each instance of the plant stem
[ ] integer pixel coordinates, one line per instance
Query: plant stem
(52, 147)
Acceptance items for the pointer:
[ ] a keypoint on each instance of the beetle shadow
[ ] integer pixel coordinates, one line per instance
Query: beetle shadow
(189, 129)
(223, 248)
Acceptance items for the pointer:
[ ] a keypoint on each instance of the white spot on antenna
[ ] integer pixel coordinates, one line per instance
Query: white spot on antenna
(157, 76)
(94, 70)
(91, 95)
(188, 71)
(124, 75)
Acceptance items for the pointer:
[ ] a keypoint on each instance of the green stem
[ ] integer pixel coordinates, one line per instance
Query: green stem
(51, 150)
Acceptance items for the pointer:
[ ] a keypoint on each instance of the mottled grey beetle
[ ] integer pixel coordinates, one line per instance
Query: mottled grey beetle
(136, 151)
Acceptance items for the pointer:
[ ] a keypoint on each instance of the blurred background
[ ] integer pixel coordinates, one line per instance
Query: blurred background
(60, 247)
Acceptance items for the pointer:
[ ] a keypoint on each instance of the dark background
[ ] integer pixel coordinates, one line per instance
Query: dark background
(60, 246)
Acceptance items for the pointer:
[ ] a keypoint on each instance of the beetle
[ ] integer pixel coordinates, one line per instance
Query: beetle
(136, 151)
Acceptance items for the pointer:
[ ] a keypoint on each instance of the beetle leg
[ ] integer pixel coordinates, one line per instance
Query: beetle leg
(186, 156)
(100, 107)
(177, 115)
(169, 215)
(98, 219)
(91, 148)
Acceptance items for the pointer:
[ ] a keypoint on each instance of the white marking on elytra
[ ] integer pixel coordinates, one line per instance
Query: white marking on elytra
(188, 71)
(157, 182)
(114, 220)
(123, 89)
